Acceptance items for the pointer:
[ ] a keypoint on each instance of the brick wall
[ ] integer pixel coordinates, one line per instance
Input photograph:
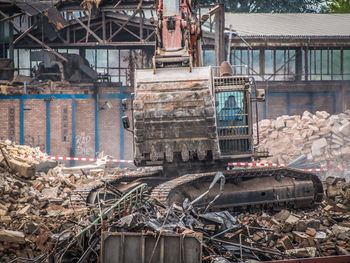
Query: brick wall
(61, 117)
(109, 127)
(109, 119)
(128, 136)
(85, 128)
(9, 120)
(34, 118)
(61, 127)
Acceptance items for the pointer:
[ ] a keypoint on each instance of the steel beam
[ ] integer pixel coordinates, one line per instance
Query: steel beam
(87, 29)
(103, 26)
(24, 34)
(10, 17)
(35, 39)
(123, 25)
(127, 30)
(92, 44)
(220, 35)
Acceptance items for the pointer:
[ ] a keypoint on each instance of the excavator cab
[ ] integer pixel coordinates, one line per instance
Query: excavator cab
(233, 110)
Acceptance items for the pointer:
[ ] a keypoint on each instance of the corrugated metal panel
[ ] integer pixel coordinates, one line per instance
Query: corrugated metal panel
(139, 247)
(284, 25)
(32, 8)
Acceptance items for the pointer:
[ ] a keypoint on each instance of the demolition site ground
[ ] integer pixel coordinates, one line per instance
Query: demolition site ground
(44, 215)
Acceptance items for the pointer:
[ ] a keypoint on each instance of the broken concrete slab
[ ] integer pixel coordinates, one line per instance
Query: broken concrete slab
(12, 236)
(23, 169)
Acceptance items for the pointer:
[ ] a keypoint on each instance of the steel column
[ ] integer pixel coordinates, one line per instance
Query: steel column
(21, 121)
(122, 137)
(96, 127)
(48, 125)
(73, 128)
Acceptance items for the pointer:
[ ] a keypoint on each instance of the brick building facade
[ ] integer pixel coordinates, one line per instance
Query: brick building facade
(69, 121)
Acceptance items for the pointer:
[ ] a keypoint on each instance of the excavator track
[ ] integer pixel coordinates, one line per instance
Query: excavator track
(82, 196)
(287, 187)
(254, 188)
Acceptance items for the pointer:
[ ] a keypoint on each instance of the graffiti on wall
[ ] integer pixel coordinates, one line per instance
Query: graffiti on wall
(64, 124)
(11, 124)
(35, 141)
(83, 145)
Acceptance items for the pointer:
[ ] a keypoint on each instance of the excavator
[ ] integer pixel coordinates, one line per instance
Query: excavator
(192, 121)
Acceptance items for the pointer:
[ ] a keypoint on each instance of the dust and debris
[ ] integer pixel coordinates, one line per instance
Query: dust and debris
(38, 220)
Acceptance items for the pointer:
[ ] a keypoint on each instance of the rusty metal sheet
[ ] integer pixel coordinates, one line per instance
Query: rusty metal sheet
(32, 8)
(138, 247)
(56, 18)
(330, 259)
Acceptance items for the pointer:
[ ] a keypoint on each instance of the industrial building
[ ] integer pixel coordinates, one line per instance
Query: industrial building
(170, 131)
(301, 60)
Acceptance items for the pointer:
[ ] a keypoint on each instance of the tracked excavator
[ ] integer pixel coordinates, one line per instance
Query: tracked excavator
(192, 120)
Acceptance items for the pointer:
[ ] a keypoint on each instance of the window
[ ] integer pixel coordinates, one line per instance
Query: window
(280, 64)
(24, 62)
(324, 64)
(90, 55)
(117, 63)
(208, 57)
(346, 61)
(245, 62)
(240, 61)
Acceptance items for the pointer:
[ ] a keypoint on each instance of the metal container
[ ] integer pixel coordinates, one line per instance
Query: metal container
(138, 248)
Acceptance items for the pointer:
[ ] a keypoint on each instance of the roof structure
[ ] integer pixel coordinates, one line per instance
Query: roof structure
(296, 25)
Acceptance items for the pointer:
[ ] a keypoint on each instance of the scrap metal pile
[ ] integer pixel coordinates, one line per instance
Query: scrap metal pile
(38, 220)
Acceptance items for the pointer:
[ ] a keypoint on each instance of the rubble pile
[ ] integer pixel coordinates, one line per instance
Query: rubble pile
(324, 231)
(39, 220)
(323, 137)
(30, 212)
(11, 158)
(36, 207)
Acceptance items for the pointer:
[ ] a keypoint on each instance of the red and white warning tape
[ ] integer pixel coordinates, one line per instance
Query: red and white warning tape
(71, 158)
(257, 164)
(131, 161)
(53, 178)
(284, 165)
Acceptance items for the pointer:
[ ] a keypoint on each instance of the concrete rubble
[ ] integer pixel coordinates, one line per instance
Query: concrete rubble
(35, 208)
(324, 138)
(11, 158)
(39, 221)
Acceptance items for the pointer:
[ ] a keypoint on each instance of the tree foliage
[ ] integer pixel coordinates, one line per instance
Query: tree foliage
(337, 6)
(268, 6)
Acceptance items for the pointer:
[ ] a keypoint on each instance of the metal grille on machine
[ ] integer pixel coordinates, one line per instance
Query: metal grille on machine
(232, 109)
